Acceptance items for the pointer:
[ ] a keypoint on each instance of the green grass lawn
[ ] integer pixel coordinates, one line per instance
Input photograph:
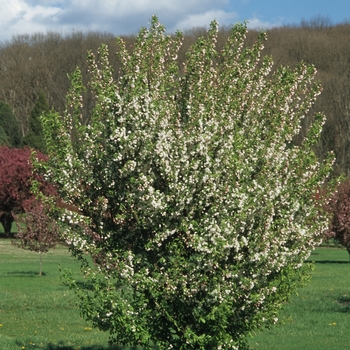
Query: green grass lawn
(318, 317)
(40, 313)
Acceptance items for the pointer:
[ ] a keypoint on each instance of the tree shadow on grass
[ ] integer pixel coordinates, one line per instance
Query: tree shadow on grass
(344, 301)
(25, 273)
(330, 261)
(10, 236)
(62, 346)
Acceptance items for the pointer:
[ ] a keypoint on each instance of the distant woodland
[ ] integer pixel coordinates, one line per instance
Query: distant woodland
(34, 72)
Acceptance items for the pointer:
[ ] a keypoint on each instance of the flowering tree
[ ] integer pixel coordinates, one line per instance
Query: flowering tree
(36, 231)
(197, 208)
(16, 175)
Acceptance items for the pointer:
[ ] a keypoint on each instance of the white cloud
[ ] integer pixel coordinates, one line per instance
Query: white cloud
(115, 16)
(123, 16)
(20, 17)
(204, 19)
(124, 7)
(256, 23)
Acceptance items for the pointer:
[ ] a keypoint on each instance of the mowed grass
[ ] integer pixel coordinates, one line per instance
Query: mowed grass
(40, 313)
(318, 317)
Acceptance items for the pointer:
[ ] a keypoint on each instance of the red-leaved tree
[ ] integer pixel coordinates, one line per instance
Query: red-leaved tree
(36, 230)
(16, 175)
(339, 209)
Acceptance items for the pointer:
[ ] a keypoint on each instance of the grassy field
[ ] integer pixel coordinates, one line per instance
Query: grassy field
(39, 313)
(318, 317)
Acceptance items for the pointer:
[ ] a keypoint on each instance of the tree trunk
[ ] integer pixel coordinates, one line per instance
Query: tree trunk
(6, 220)
(41, 264)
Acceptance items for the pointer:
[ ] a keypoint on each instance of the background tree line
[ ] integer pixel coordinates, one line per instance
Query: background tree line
(34, 73)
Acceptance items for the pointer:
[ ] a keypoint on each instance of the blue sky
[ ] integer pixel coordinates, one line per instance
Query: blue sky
(127, 16)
